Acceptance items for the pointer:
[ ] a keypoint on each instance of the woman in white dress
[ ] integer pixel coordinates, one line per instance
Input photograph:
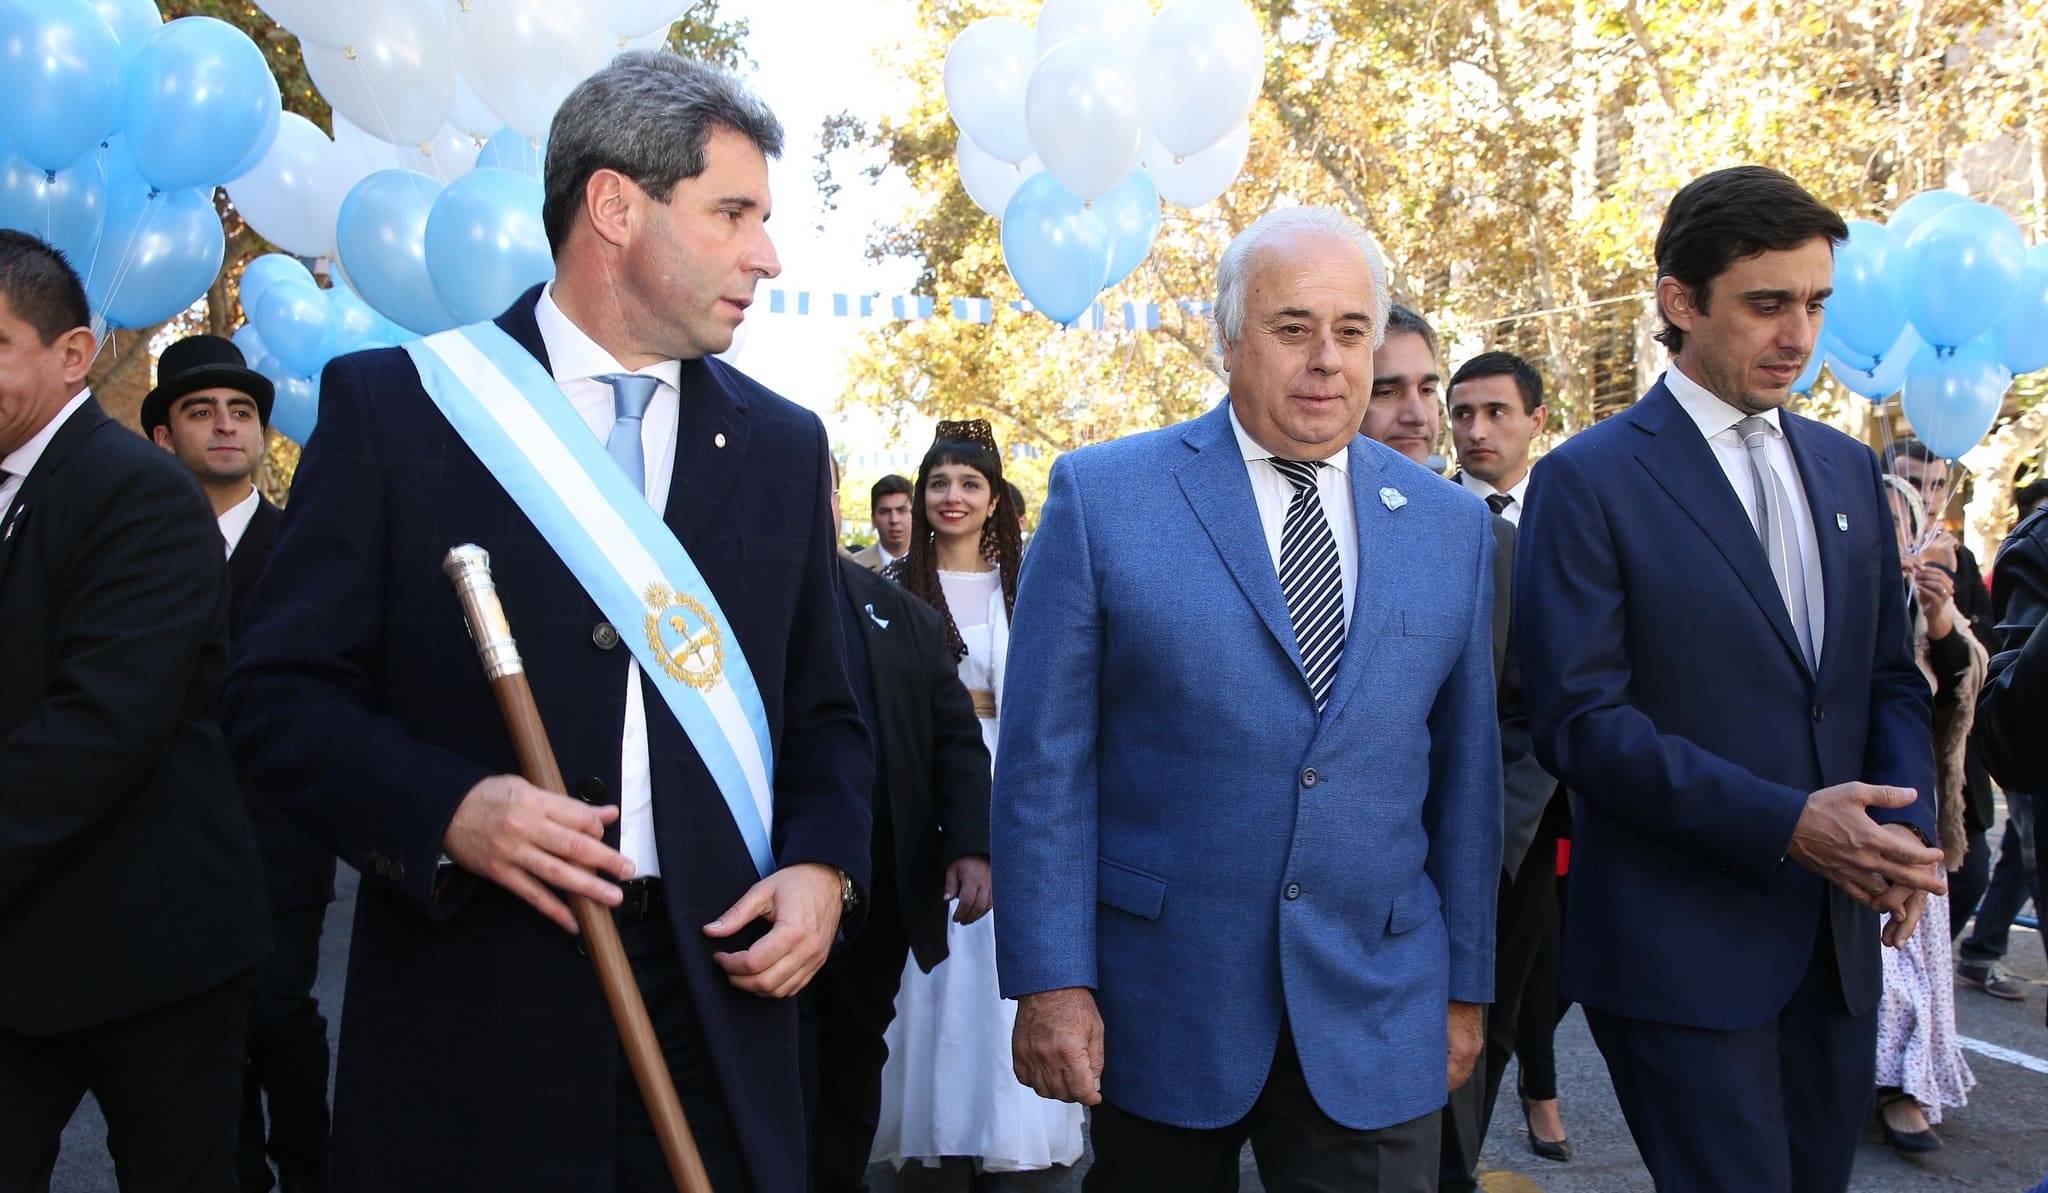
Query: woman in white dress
(949, 1088)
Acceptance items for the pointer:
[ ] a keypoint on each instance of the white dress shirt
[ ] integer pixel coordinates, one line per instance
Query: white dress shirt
(577, 361)
(18, 463)
(235, 523)
(1516, 493)
(1716, 420)
(1275, 493)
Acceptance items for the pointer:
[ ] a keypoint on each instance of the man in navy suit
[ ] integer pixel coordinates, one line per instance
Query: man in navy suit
(1247, 814)
(476, 1051)
(1716, 659)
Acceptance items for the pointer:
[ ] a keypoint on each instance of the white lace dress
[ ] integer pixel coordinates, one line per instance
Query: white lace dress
(949, 1088)
(1916, 1019)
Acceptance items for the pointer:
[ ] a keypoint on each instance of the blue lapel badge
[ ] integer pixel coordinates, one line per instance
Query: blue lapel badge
(1842, 522)
(880, 622)
(1391, 498)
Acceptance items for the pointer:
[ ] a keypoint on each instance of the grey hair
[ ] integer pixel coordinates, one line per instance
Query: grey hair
(647, 115)
(1232, 274)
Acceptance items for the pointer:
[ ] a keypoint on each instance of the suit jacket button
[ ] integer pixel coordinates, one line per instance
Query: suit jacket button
(1818, 713)
(591, 790)
(603, 636)
(1293, 890)
(1309, 778)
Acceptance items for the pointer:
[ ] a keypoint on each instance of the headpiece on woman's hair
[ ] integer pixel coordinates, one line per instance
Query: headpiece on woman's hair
(968, 430)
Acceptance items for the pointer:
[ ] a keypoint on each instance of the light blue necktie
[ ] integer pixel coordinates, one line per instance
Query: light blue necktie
(631, 392)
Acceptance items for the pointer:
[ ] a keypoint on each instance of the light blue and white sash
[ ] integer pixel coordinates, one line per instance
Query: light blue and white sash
(516, 419)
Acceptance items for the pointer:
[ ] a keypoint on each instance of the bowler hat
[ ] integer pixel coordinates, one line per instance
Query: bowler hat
(203, 362)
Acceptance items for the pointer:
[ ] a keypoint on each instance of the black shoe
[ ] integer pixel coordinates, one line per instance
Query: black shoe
(1906, 1143)
(1560, 1151)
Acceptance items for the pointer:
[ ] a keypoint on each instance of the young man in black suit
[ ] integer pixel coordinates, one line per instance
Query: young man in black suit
(131, 897)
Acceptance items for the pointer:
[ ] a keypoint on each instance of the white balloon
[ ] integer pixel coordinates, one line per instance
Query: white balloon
(619, 43)
(1197, 178)
(523, 57)
(1122, 21)
(324, 22)
(631, 18)
(395, 83)
(988, 70)
(281, 197)
(989, 180)
(1082, 109)
(1204, 62)
(471, 114)
(445, 156)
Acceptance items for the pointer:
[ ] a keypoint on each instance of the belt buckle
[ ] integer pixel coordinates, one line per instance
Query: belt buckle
(639, 897)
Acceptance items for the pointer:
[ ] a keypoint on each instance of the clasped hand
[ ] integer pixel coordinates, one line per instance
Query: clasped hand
(1882, 866)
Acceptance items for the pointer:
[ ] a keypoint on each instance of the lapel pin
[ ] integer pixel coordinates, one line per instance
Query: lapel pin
(718, 440)
(880, 622)
(1391, 498)
(13, 524)
(1842, 522)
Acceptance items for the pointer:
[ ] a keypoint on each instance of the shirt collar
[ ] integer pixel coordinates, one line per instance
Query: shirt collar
(235, 523)
(1341, 460)
(574, 356)
(1516, 491)
(22, 460)
(1707, 411)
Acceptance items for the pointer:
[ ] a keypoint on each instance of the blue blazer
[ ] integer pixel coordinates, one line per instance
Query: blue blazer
(1668, 691)
(1176, 828)
(477, 1052)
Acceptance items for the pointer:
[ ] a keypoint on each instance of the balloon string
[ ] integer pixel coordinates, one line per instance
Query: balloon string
(107, 202)
(154, 204)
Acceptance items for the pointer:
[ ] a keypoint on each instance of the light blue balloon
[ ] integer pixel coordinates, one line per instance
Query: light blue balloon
(1908, 217)
(264, 272)
(158, 254)
(1811, 375)
(294, 320)
(1868, 308)
(264, 141)
(352, 324)
(297, 408)
(1952, 396)
(485, 243)
(1056, 248)
(382, 238)
(1131, 209)
(1966, 267)
(200, 96)
(119, 165)
(2021, 334)
(60, 79)
(132, 22)
(67, 209)
(1879, 377)
(510, 149)
(249, 342)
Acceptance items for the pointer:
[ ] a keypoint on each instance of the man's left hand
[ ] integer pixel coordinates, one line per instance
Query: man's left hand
(1468, 1036)
(803, 902)
(967, 880)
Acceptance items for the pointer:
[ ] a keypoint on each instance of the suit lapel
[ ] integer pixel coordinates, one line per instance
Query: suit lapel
(250, 554)
(711, 443)
(1372, 602)
(1824, 501)
(14, 521)
(1216, 485)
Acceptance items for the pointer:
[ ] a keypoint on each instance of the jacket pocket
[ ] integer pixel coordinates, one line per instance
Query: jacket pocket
(1431, 623)
(1415, 908)
(1128, 888)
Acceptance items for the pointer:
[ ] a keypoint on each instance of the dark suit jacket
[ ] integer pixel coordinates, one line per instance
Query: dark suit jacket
(1526, 788)
(2014, 706)
(1667, 689)
(934, 769)
(128, 876)
(478, 1053)
(297, 868)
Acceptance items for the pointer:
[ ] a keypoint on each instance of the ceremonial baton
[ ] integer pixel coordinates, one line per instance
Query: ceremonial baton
(469, 567)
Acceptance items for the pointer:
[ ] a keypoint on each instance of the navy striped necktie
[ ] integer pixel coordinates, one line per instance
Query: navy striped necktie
(1311, 577)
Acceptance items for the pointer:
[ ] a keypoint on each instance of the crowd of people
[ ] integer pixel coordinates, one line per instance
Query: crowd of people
(1241, 807)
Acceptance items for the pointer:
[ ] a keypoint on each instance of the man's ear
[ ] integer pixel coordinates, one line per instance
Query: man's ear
(607, 203)
(1537, 416)
(161, 436)
(1677, 302)
(79, 346)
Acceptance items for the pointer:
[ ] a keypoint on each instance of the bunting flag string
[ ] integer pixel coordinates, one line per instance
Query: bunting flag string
(911, 308)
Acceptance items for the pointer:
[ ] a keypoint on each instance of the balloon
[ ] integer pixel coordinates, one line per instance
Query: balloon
(617, 44)
(200, 95)
(510, 149)
(485, 243)
(283, 197)
(470, 114)
(1131, 210)
(60, 79)
(988, 69)
(1966, 267)
(1124, 22)
(1056, 248)
(381, 236)
(259, 150)
(67, 210)
(297, 406)
(249, 342)
(1198, 178)
(2021, 334)
(632, 18)
(1908, 216)
(523, 57)
(447, 155)
(988, 180)
(1952, 396)
(1869, 304)
(132, 22)
(294, 321)
(268, 270)
(397, 81)
(351, 323)
(159, 253)
(1204, 61)
(1082, 109)
(323, 23)
(1811, 376)
(1878, 377)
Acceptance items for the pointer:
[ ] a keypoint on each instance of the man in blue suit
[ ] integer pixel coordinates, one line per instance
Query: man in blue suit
(476, 1051)
(1716, 659)
(1246, 826)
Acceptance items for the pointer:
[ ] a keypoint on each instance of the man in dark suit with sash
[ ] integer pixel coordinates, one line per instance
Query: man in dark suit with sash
(659, 530)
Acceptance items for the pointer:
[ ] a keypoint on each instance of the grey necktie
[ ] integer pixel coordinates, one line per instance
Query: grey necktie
(1774, 529)
(1311, 577)
(631, 392)
(1499, 502)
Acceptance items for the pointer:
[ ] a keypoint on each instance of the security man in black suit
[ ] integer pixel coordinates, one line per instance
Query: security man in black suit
(131, 896)
(210, 410)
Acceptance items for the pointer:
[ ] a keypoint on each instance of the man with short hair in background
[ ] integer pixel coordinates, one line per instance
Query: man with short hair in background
(1496, 404)
(889, 506)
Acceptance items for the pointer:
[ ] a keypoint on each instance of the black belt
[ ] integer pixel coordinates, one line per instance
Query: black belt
(642, 899)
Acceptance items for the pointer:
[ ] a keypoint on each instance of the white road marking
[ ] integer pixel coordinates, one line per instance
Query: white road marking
(1999, 1052)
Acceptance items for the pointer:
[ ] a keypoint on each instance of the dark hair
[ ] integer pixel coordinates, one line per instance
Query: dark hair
(1001, 542)
(1909, 448)
(1018, 506)
(646, 115)
(40, 287)
(888, 486)
(2030, 494)
(1528, 382)
(1730, 215)
(1401, 320)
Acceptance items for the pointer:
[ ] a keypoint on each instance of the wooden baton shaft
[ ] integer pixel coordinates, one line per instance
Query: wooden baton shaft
(469, 568)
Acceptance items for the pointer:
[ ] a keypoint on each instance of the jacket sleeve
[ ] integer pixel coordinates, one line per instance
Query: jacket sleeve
(960, 771)
(1899, 745)
(2014, 704)
(1526, 787)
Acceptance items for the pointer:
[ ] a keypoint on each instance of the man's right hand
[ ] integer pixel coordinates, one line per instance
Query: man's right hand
(1057, 1045)
(528, 840)
(1836, 839)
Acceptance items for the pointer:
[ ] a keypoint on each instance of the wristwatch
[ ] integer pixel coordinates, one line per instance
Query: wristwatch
(849, 898)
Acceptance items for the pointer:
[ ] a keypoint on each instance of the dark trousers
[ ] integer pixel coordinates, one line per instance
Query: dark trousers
(658, 970)
(1967, 882)
(1299, 1148)
(2013, 881)
(845, 1012)
(287, 1062)
(1774, 1109)
(168, 1081)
